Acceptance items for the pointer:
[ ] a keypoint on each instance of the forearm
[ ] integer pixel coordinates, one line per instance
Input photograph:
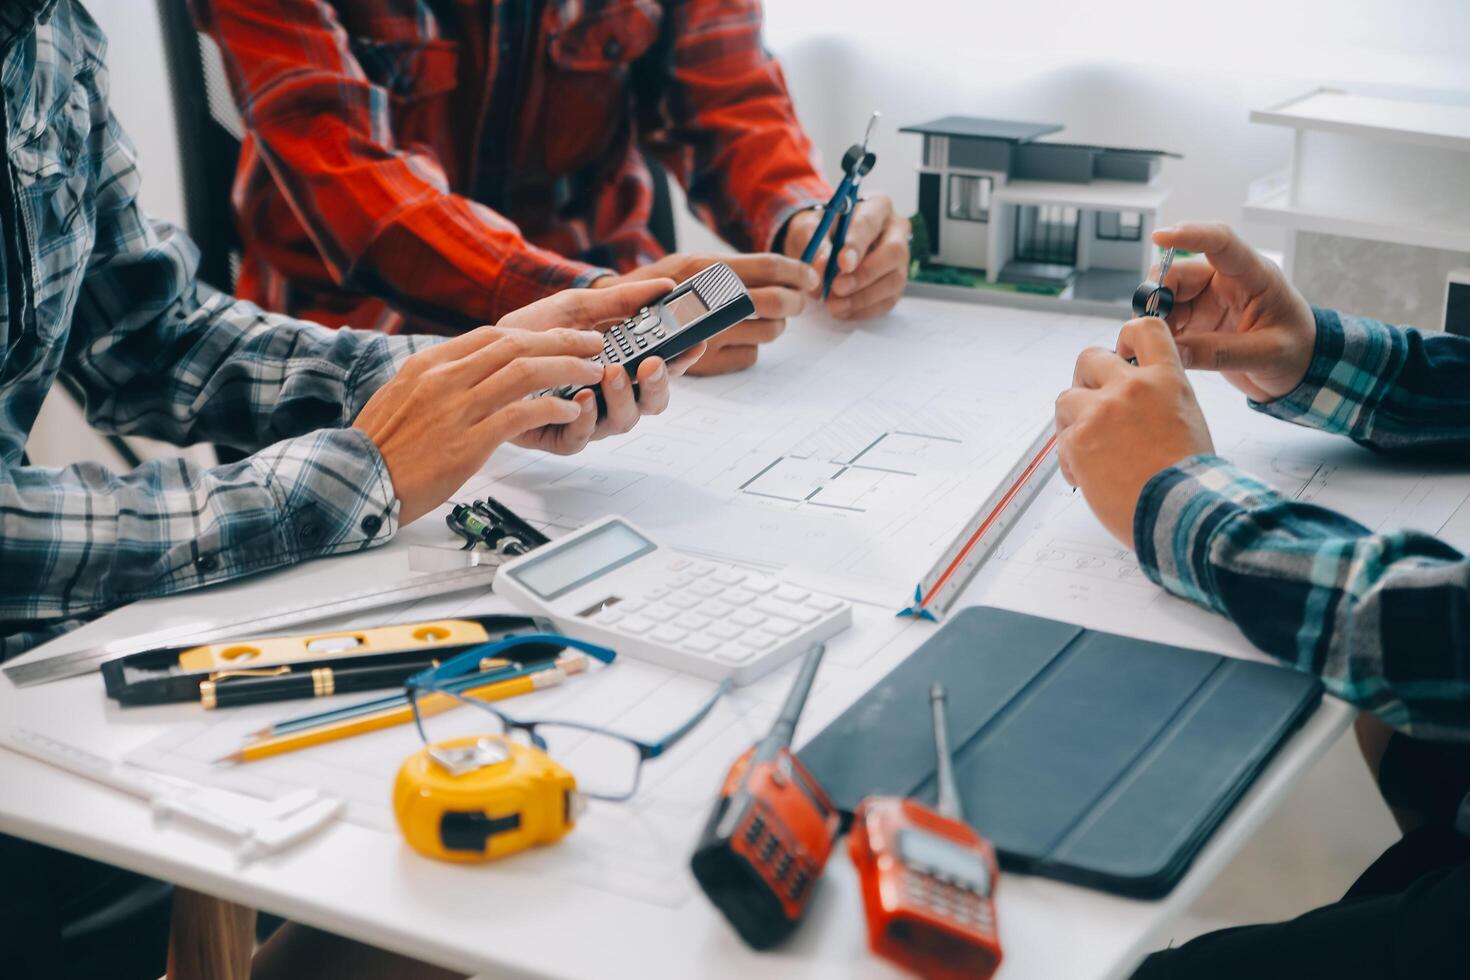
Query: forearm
(1388, 388)
(1384, 619)
(382, 215)
(751, 167)
(77, 541)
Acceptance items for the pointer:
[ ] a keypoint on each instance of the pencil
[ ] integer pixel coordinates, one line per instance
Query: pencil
(431, 704)
(491, 670)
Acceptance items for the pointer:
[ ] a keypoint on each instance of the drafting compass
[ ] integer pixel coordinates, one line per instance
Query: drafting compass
(857, 163)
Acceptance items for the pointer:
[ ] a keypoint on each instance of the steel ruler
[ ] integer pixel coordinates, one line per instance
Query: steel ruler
(44, 669)
(977, 541)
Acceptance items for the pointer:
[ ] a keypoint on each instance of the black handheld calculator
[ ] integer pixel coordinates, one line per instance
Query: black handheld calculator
(707, 303)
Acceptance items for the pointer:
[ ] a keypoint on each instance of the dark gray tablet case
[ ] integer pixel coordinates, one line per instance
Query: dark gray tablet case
(1084, 756)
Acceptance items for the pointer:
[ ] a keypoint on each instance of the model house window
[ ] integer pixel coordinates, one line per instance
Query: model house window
(1119, 226)
(969, 197)
(1047, 233)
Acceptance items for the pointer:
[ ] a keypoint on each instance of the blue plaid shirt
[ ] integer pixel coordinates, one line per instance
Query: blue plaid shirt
(1384, 619)
(95, 291)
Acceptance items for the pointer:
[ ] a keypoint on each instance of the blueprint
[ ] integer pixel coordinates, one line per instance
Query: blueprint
(847, 458)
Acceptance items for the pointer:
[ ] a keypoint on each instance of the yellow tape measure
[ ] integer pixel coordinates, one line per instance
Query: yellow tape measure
(482, 798)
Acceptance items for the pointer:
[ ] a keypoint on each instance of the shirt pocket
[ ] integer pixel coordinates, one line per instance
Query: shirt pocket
(605, 37)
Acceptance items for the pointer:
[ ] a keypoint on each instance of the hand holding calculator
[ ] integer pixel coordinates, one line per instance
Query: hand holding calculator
(702, 306)
(610, 584)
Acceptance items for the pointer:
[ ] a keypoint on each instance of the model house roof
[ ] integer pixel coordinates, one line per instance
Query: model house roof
(970, 127)
(1094, 147)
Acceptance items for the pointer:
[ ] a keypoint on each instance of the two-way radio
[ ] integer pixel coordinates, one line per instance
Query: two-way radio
(771, 832)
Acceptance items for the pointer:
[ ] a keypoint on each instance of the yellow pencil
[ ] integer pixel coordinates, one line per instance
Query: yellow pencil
(432, 704)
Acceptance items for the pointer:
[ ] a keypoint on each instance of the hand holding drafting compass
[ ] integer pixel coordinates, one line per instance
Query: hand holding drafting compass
(857, 162)
(1154, 298)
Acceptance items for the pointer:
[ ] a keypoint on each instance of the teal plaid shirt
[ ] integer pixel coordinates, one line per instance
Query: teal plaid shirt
(96, 291)
(1384, 619)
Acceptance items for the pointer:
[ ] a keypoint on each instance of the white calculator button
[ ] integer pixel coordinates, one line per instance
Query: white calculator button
(660, 613)
(632, 605)
(738, 596)
(724, 631)
(706, 589)
(690, 621)
(683, 600)
(760, 585)
(701, 569)
(715, 609)
(744, 617)
(636, 625)
(787, 593)
(607, 617)
(655, 594)
(728, 576)
(678, 564)
(732, 654)
(823, 603)
(799, 613)
(679, 581)
(699, 643)
(757, 640)
(668, 634)
(780, 627)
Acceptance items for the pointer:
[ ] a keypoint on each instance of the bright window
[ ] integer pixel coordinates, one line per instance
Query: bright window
(1119, 226)
(969, 197)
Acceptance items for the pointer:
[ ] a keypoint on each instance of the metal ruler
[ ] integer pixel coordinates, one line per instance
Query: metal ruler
(46, 669)
(974, 545)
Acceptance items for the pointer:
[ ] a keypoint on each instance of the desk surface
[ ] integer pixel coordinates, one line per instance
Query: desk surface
(511, 920)
(367, 884)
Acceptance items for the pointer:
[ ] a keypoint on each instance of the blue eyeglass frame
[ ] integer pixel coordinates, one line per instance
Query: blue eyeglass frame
(447, 678)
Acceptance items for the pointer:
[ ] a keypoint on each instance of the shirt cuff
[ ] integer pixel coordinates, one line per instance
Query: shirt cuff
(769, 224)
(377, 365)
(331, 492)
(1179, 514)
(1351, 369)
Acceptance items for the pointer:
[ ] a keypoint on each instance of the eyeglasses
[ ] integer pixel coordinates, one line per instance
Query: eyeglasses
(606, 764)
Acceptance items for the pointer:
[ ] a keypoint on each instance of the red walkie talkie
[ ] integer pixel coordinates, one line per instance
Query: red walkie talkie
(928, 879)
(771, 831)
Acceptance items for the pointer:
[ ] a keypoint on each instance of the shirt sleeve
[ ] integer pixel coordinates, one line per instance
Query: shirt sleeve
(742, 154)
(1383, 619)
(153, 357)
(1389, 388)
(381, 215)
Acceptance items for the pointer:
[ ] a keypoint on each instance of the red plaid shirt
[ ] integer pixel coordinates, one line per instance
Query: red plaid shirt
(435, 164)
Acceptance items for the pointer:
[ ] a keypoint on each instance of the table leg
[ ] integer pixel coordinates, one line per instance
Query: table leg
(209, 937)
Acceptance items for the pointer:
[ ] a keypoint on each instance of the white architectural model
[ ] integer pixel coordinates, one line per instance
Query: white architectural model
(1375, 204)
(1063, 218)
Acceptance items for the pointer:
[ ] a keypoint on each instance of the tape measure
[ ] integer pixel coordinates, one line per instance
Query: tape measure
(974, 545)
(483, 797)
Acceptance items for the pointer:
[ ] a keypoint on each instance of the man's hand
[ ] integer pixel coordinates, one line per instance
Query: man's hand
(778, 286)
(448, 408)
(599, 308)
(874, 263)
(1120, 424)
(1235, 312)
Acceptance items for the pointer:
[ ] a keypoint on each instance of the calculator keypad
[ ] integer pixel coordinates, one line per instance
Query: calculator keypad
(718, 613)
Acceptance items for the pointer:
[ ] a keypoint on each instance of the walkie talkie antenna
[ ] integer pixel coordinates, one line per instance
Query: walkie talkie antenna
(785, 726)
(949, 794)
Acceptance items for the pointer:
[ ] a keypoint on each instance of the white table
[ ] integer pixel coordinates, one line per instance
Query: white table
(368, 885)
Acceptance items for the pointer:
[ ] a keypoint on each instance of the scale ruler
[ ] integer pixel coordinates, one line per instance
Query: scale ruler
(85, 661)
(974, 545)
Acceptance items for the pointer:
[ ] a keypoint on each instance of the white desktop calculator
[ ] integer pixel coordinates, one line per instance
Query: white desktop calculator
(611, 584)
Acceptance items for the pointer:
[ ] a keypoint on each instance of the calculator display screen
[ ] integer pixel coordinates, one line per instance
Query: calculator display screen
(933, 854)
(686, 308)
(564, 567)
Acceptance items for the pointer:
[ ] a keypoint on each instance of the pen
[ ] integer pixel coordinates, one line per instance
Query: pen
(430, 704)
(492, 670)
(230, 689)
